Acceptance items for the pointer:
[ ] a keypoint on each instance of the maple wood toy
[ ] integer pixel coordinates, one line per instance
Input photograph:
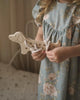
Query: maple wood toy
(28, 44)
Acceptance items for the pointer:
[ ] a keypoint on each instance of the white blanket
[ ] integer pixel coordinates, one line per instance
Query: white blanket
(16, 84)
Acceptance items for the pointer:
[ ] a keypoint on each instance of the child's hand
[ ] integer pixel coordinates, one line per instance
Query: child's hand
(38, 56)
(58, 54)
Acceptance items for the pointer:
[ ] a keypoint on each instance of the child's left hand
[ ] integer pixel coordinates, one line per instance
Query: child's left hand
(58, 54)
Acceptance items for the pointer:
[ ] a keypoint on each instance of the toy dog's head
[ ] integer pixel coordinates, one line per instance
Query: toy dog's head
(17, 37)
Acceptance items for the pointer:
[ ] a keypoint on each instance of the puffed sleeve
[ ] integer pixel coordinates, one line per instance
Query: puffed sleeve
(76, 30)
(35, 12)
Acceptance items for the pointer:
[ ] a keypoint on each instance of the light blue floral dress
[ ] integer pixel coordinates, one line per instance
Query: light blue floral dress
(60, 81)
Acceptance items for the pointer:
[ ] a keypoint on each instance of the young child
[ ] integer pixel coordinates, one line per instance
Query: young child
(59, 76)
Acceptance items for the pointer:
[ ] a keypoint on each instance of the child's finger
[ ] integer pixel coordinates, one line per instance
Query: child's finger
(49, 53)
(52, 60)
(36, 53)
(40, 58)
(37, 56)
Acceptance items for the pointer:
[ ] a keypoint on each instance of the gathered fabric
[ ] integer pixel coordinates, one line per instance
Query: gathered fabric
(60, 81)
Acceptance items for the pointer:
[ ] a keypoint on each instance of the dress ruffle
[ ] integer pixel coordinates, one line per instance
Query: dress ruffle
(63, 36)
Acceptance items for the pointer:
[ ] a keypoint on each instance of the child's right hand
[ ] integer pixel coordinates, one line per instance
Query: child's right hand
(38, 56)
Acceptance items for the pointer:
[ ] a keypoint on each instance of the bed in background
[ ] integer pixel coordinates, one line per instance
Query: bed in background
(17, 84)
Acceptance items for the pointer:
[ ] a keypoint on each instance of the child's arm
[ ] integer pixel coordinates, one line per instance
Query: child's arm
(62, 53)
(38, 56)
(74, 51)
(39, 35)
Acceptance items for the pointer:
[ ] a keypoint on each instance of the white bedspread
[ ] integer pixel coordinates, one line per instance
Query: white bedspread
(17, 85)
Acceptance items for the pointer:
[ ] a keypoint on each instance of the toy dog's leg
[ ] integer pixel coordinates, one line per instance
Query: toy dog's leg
(54, 45)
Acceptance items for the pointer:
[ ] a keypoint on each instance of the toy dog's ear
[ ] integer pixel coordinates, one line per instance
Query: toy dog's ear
(12, 37)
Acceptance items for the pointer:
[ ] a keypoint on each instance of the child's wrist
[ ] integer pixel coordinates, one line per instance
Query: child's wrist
(73, 51)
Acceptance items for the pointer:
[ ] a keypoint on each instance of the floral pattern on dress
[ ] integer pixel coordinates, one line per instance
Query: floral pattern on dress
(60, 81)
(69, 33)
(52, 76)
(46, 16)
(49, 89)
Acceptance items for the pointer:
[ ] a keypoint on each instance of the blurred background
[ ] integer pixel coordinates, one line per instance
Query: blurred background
(18, 73)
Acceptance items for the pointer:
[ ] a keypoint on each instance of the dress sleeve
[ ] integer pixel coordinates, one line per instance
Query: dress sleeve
(35, 11)
(76, 20)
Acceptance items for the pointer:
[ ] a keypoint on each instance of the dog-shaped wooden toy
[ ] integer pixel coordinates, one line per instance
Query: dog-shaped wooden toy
(28, 44)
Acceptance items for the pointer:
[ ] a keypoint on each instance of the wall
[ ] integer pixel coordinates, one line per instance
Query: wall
(14, 15)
